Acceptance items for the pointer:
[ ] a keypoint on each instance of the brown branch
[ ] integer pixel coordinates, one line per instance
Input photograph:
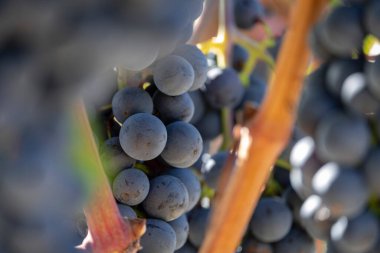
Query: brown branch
(108, 231)
(264, 138)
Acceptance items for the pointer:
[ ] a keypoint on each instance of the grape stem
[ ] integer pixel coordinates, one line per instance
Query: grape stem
(264, 137)
(108, 231)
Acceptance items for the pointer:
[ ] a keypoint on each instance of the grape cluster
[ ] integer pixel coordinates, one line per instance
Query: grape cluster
(148, 142)
(333, 167)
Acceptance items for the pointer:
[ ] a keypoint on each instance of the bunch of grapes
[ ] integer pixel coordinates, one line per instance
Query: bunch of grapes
(335, 167)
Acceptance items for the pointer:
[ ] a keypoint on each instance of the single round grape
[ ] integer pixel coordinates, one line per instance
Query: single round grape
(173, 75)
(209, 126)
(181, 229)
(223, 88)
(212, 168)
(317, 45)
(294, 202)
(372, 71)
(239, 57)
(187, 248)
(342, 138)
(305, 164)
(198, 221)
(315, 218)
(298, 183)
(342, 190)
(371, 18)
(342, 31)
(184, 145)
(372, 171)
(338, 71)
(190, 180)
(143, 136)
(357, 234)
(127, 212)
(173, 108)
(315, 102)
(159, 237)
(247, 13)
(281, 175)
(114, 158)
(199, 106)
(297, 240)
(167, 199)
(130, 187)
(197, 60)
(271, 220)
(129, 101)
(254, 93)
(357, 97)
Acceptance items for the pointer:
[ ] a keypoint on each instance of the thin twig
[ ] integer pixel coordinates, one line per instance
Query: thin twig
(264, 138)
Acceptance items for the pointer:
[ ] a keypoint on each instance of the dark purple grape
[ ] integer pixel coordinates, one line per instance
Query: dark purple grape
(223, 88)
(372, 71)
(197, 60)
(338, 71)
(305, 164)
(209, 126)
(114, 158)
(317, 46)
(126, 212)
(129, 101)
(239, 57)
(271, 220)
(254, 93)
(173, 108)
(342, 190)
(294, 202)
(296, 241)
(184, 145)
(143, 136)
(315, 102)
(357, 234)
(356, 95)
(198, 221)
(372, 171)
(190, 180)
(342, 138)
(371, 18)
(213, 167)
(130, 187)
(158, 238)
(315, 218)
(247, 13)
(173, 75)
(181, 229)
(199, 106)
(168, 198)
(342, 32)
(187, 248)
